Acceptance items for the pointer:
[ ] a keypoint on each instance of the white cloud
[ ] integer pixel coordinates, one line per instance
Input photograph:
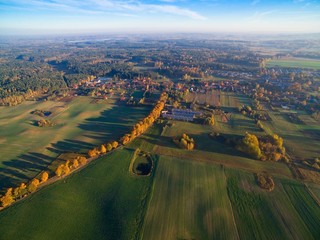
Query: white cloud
(129, 7)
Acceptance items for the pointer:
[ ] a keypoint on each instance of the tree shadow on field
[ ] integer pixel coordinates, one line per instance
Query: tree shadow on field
(23, 168)
(114, 122)
(69, 145)
(163, 141)
(223, 145)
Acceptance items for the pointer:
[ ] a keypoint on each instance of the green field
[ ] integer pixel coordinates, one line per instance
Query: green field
(295, 63)
(189, 201)
(207, 193)
(289, 212)
(27, 149)
(103, 201)
(301, 140)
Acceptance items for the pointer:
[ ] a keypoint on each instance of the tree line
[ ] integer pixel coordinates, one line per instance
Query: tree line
(13, 194)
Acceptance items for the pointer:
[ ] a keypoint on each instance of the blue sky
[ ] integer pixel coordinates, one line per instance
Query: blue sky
(73, 16)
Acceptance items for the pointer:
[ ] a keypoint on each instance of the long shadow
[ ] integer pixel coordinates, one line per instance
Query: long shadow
(22, 168)
(210, 145)
(110, 125)
(114, 122)
(69, 146)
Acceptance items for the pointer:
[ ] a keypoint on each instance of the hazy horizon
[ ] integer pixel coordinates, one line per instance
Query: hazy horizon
(163, 16)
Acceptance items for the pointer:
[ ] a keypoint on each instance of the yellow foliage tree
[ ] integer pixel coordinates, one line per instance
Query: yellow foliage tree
(33, 185)
(7, 199)
(109, 147)
(93, 152)
(210, 120)
(250, 145)
(103, 149)
(82, 160)
(65, 169)
(59, 171)
(114, 144)
(44, 177)
(75, 163)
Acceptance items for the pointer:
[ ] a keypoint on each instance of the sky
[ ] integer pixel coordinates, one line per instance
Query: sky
(158, 16)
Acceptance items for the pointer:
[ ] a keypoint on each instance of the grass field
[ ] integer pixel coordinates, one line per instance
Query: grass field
(194, 200)
(289, 212)
(301, 140)
(103, 201)
(27, 149)
(189, 201)
(207, 193)
(295, 63)
(211, 151)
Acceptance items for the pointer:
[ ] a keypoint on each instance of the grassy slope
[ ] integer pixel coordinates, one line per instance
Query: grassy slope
(103, 201)
(189, 201)
(80, 125)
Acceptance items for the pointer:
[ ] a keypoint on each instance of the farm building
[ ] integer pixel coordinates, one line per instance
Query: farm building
(180, 114)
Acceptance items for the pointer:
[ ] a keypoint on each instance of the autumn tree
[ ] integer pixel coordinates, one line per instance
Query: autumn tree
(125, 139)
(115, 144)
(33, 185)
(250, 145)
(103, 149)
(19, 190)
(7, 199)
(186, 142)
(109, 147)
(210, 120)
(65, 169)
(75, 163)
(44, 177)
(59, 171)
(82, 160)
(93, 152)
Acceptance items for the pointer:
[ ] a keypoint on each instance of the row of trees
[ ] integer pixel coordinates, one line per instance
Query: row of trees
(68, 166)
(104, 148)
(143, 125)
(64, 169)
(13, 194)
(264, 148)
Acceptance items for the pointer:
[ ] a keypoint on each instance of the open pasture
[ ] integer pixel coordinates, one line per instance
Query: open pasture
(295, 63)
(79, 125)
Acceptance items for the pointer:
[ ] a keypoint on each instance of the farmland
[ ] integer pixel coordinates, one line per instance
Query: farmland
(79, 125)
(295, 63)
(103, 201)
(276, 215)
(207, 193)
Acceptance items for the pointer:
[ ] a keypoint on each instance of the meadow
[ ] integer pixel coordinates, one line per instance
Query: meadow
(102, 201)
(27, 149)
(295, 63)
